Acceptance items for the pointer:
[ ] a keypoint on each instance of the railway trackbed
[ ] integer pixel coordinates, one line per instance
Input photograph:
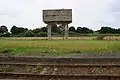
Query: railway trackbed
(59, 71)
(27, 76)
(44, 69)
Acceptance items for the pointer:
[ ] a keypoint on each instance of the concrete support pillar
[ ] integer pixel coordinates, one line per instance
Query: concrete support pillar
(66, 31)
(49, 32)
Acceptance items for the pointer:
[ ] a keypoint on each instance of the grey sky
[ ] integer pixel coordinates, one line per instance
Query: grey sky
(89, 13)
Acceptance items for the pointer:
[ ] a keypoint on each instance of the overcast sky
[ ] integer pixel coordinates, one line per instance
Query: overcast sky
(90, 13)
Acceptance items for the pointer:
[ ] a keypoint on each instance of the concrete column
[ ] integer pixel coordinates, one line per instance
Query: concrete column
(66, 31)
(49, 32)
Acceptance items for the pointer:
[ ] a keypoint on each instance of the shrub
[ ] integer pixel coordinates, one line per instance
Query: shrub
(100, 38)
(41, 34)
(29, 34)
(55, 34)
(73, 34)
(5, 34)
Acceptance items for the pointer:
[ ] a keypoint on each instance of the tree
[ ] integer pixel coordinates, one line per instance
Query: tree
(3, 29)
(84, 30)
(79, 30)
(37, 30)
(17, 30)
(72, 29)
(54, 28)
(21, 30)
(13, 30)
(44, 29)
(118, 31)
(107, 30)
(61, 29)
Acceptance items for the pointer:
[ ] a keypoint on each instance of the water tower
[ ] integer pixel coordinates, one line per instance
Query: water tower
(57, 16)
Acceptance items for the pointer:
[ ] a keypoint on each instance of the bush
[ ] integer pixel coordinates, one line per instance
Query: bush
(55, 34)
(100, 37)
(29, 34)
(73, 34)
(41, 34)
(20, 34)
(5, 34)
(1, 34)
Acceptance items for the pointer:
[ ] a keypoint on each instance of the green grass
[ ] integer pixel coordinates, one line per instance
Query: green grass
(38, 47)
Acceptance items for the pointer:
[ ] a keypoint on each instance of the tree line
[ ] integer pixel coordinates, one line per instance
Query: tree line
(56, 31)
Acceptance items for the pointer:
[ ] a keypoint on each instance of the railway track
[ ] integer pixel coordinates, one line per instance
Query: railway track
(67, 69)
(57, 77)
(59, 71)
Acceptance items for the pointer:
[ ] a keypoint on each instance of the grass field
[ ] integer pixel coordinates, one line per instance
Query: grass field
(37, 46)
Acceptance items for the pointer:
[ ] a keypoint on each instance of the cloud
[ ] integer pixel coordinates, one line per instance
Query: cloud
(90, 13)
(94, 13)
